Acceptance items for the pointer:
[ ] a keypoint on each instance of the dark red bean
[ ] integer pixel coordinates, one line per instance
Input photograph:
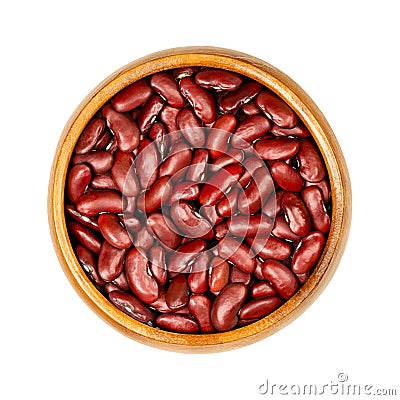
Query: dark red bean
(196, 172)
(168, 118)
(232, 156)
(238, 276)
(89, 263)
(228, 205)
(99, 161)
(110, 263)
(166, 86)
(159, 135)
(202, 101)
(250, 109)
(93, 203)
(131, 306)
(164, 229)
(250, 165)
(271, 248)
(238, 253)
(113, 231)
(286, 176)
(143, 239)
(200, 308)
(180, 73)
(103, 181)
(179, 158)
(132, 224)
(149, 112)
(296, 213)
(158, 264)
(250, 226)
(259, 308)
(282, 230)
(198, 277)
(86, 236)
(83, 219)
(157, 195)
(146, 165)
(308, 253)
(184, 191)
(90, 136)
(224, 311)
(105, 141)
(299, 131)
(324, 187)
(276, 109)
(218, 136)
(143, 285)
(123, 174)
(311, 166)
(249, 130)
(262, 289)
(273, 206)
(124, 128)
(133, 96)
(177, 294)
(312, 197)
(218, 79)
(219, 275)
(191, 128)
(277, 149)
(79, 178)
(221, 230)
(184, 255)
(233, 100)
(121, 282)
(177, 323)
(281, 278)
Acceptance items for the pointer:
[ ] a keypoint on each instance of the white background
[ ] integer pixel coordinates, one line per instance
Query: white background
(345, 54)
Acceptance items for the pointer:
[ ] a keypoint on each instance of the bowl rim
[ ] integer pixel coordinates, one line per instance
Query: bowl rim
(307, 111)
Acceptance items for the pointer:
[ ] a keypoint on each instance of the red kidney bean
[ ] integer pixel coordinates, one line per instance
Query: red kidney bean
(308, 253)
(249, 130)
(149, 112)
(231, 157)
(165, 85)
(202, 101)
(219, 183)
(164, 229)
(146, 165)
(221, 230)
(218, 137)
(312, 197)
(133, 96)
(238, 253)
(282, 230)
(271, 248)
(296, 213)
(158, 134)
(104, 141)
(110, 263)
(277, 149)
(250, 164)
(228, 205)
(121, 282)
(200, 308)
(89, 264)
(123, 174)
(286, 176)
(302, 278)
(233, 100)
(177, 323)
(158, 265)
(79, 178)
(257, 192)
(262, 289)
(210, 212)
(184, 255)
(158, 194)
(311, 166)
(188, 221)
(250, 109)
(168, 118)
(238, 276)
(250, 225)
(143, 239)
(179, 158)
(131, 306)
(281, 278)
(143, 285)
(132, 224)
(93, 203)
(191, 127)
(184, 191)
(299, 131)
(177, 294)
(258, 271)
(86, 236)
(224, 311)
(276, 109)
(196, 172)
(124, 128)
(323, 186)
(113, 231)
(103, 181)
(90, 136)
(218, 79)
(99, 161)
(180, 73)
(219, 275)
(161, 303)
(82, 219)
(259, 308)
(198, 277)
(110, 287)
(273, 206)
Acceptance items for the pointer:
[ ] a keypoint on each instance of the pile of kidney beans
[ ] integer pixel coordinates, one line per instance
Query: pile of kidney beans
(197, 201)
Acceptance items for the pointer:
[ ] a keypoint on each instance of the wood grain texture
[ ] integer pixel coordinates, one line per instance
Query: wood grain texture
(311, 116)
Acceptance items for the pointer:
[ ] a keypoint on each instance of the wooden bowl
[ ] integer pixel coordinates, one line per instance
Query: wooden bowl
(311, 116)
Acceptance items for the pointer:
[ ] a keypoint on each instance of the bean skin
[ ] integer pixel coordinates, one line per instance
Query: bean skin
(250, 226)
(168, 118)
(277, 149)
(276, 109)
(123, 176)
(79, 178)
(259, 308)
(164, 229)
(228, 205)
(179, 158)
(219, 276)
(262, 289)
(157, 195)
(131, 306)
(177, 293)
(99, 161)
(233, 100)
(93, 203)
(104, 141)
(224, 311)
(113, 231)
(323, 186)
(124, 128)
(165, 85)
(86, 236)
(202, 101)
(177, 323)
(122, 282)
(308, 253)
(286, 176)
(90, 136)
(221, 230)
(250, 109)
(250, 165)
(218, 79)
(146, 165)
(191, 127)
(180, 73)
(158, 265)
(89, 263)
(143, 285)
(311, 166)
(249, 130)
(133, 96)
(273, 206)
(282, 230)
(312, 197)
(271, 248)
(296, 213)
(218, 137)
(299, 131)
(110, 263)
(184, 191)
(143, 239)
(238, 253)
(149, 112)
(103, 181)
(158, 134)
(196, 172)
(200, 308)
(184, 255)
(238, 276)
(82, 219)
(281, 278)
(198, 277)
